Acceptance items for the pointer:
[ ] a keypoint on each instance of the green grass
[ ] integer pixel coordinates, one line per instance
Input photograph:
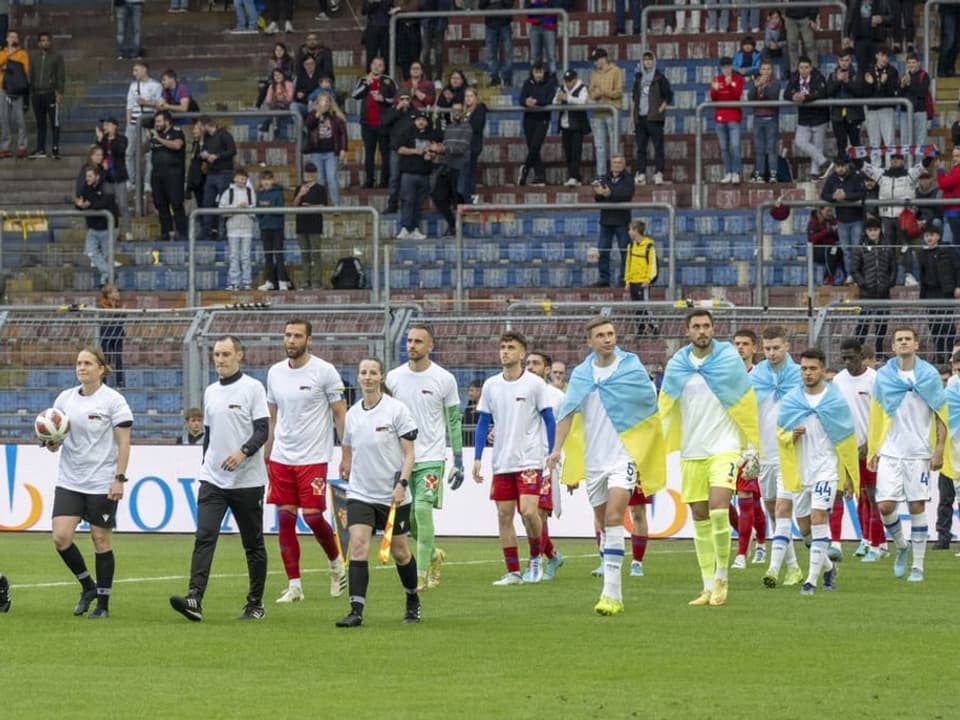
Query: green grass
(875, 648)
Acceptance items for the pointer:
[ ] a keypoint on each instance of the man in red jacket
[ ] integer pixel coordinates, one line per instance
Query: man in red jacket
(949, 182)
(728, 86)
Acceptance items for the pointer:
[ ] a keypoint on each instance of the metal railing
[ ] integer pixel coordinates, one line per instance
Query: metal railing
(698, 198)
(297, 143)
(46, 214)
(793, 4)
(563, 27)
(928, 6)
(665, 207)
(318, 210)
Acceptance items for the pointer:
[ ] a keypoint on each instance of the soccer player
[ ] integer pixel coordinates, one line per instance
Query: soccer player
(945, 509)
(516, 401)
(907, 410)
(4, 593)
(305, 399)
(709, 412)
(772, 379)
(378, 456)
(236, 423)
(538, 363)
(855, 382)
(639, 534)
(620, 438)
(818, 450)
(91, 476)
(752, 515)
(431, 395)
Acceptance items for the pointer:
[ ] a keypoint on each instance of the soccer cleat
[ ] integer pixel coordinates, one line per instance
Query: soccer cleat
(900, 561)
(862, 549)
(526, 574)
(739, 562)
(872, 556)
(702, 599)
(338, 579)
(835, 553)
(4, 594)
(252, 611)
(553, 564)
(916, 575)
(188, 606)
(597, 571)
(883, 551)
(99, 613)
(433, 569)
(291, 594)
(412, 615)
(830, 579)
(511, 578)
(86, 598)
(636, 569)
(718, 596)
(607, 606)
(353, 619)
(536, 570)
(769, 579)
(793, 577)
(808, 589)
(759, 555)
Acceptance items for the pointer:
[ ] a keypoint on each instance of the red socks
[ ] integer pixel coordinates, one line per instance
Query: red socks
(512, 558)
(546, 543)
(639, 545)
(836, 519)
(323, 533)
(759, 520)
(745, 526)
(289, 544)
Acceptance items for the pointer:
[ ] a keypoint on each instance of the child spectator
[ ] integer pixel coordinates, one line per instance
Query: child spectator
(728, 85)
(279, 97)
(98, 240)
(310, 228)
(641, 268)
(827, 257)
(239, 229)
(766, 124)
(747, 60)
(774, 39)
(875, 273)
(271, 232)
(193, 427)
(280, 59)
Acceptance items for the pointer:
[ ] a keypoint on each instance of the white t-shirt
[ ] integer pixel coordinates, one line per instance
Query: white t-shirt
(515, 407)
(374, 437)
(427, 395)
(148, 89)
(88, 457)
(304, 431)
(554, 400)
(603, 448)
(818, 459)
(857, 391)
(708, 429)
(909, 435)
(229, 411)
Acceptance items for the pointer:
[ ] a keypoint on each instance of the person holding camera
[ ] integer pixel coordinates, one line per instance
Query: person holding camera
(617, 187)
(168, 156)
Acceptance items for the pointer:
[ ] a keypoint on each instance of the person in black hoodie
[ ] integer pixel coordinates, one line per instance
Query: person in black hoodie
(219, 150)
(938, 281)
(396, 121)
(376, 36)
(538, 91)
(416, 164)
(115, 176)
(914, 86)
(845, 82)
(651, 96)
(98, 240)
(875, 273)
(866, 27)
(845, 184)
(805, 86)
(616, 187)
(880, 80)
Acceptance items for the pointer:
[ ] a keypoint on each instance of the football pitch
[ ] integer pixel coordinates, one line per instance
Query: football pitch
(875, 648)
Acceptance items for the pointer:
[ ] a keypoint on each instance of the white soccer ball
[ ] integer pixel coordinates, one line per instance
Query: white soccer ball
(51, 426)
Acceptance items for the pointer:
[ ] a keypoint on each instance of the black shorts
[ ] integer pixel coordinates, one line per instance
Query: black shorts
(364, 513)
(95, 509)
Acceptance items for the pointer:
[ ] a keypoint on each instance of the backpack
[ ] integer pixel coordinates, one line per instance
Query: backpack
(349, 274)
(249, 196)
(192, 105)
(15, 81)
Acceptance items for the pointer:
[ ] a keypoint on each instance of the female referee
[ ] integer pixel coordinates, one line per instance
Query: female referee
(90, 477)
(377, 459)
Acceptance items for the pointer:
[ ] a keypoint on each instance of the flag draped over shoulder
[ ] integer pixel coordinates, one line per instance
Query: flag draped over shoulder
(629, 398)
(837, 420)
(889, 391)
(726, 377)
(767, 382)
(953, 409)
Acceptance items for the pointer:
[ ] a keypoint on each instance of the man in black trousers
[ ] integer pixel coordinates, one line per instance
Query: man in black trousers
(47, 80)
(169, 159)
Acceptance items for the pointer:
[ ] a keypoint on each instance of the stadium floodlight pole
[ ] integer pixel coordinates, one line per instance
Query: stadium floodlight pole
(297, 143)
(314, 210)
(562, 15)
(698, 188)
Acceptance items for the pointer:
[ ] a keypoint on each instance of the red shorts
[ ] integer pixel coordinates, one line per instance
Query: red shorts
(751, 486)
(546, 494)
(303, 486)
(510, 486)
(867, 478)
(638, 498)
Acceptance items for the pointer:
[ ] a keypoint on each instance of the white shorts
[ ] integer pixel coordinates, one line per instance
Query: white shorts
(782, 492)
(903, 480)
(769, 481)
(815, 495)
(622, 476)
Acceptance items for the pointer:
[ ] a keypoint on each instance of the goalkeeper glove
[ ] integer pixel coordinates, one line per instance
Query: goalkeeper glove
(749, 464)
(456, 477)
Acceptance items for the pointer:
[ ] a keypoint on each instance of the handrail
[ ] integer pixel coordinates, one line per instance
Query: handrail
(490, 208)
(315, 210)
(43, 214)
(297, 149)
(562, 15)
(927, 7)
(751, 4)
(831, 102)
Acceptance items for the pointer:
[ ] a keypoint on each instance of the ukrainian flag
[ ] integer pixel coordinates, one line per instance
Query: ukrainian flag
(889, 391)
(953, 409)
(726, 377)
(837, 420)
(766, 382)
(630, 400)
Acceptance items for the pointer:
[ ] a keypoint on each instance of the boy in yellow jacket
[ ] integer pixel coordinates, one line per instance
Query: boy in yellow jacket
(641, 271)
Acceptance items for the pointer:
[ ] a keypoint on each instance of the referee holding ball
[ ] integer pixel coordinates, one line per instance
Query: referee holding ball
(377, 459)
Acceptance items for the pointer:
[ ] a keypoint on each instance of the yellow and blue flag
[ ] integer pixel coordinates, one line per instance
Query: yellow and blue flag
(767, 382)
(834, 414)
(953, 409)
(726, 377)
(629, 398)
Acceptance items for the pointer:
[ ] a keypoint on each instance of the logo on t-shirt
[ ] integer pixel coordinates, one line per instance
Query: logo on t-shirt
(382, 428)
(95, 417)
(520, 399)
(304, 387)
(426, 392)
(231, 406)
